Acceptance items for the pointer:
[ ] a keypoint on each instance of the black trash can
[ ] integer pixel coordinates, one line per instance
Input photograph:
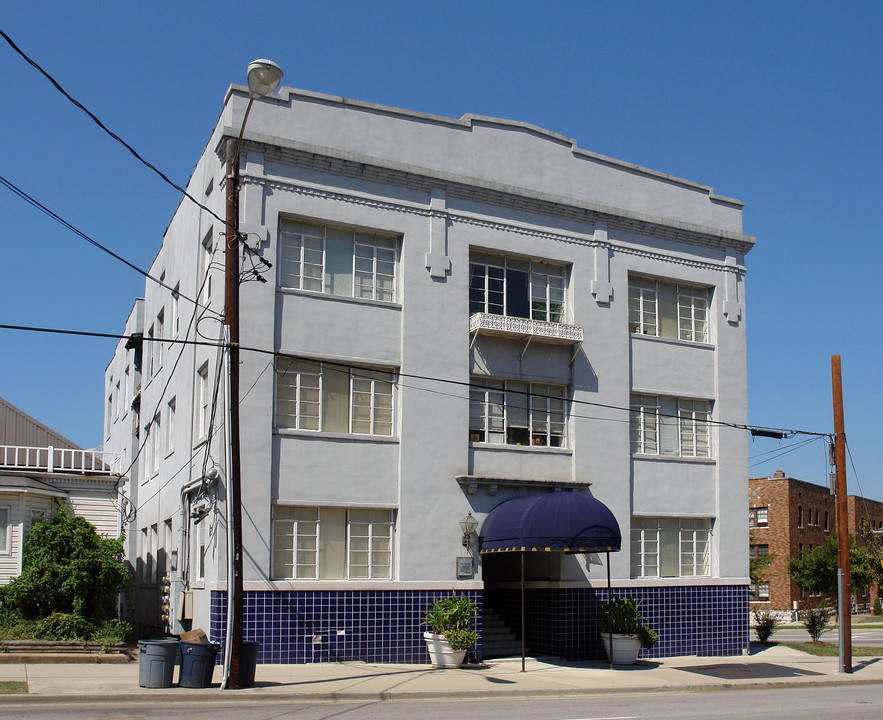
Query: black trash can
(197, 664)
(248, 661)
(156, 662)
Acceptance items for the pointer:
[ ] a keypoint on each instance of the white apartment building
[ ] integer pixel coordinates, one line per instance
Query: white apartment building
(456, 312)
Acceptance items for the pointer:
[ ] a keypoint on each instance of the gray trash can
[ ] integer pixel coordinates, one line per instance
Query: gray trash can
(156, 662)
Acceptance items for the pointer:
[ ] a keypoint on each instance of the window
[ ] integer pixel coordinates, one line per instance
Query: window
(670, 310)
(799, 516)
(160, 320)
(199, 535)
(516, 287)
(203, 279)
(511, 412)
(108, 414)
(669, 426)
(337, 261)
(312, 543)
(202, 399)
(149, 352)
(758, 517)
(670, 547)
(758, 551)
(826, 521)
(759, 592)
(151, 556)
(817, 518)
(154, 444)
(174, 319)
(170, 425)
(5, 530)
(333, 398)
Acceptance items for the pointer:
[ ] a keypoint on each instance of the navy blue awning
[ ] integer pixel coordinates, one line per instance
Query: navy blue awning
(570, 522)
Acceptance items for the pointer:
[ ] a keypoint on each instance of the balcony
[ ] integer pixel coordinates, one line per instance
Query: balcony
(525, 329)
(59, 460)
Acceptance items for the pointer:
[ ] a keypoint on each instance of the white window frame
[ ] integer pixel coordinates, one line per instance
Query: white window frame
(300, 397)
(494, 404)
(690, 312)
(652, 431)
(654, 548)
(5, 529)
(303, 253)
(300, 538)
(199, 547)
(170, 425)
(174, 308)
(203, 279)
(160, 322)
(202, 402)
(488, 286)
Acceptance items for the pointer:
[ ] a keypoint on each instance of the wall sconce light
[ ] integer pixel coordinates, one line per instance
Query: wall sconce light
(468, 525)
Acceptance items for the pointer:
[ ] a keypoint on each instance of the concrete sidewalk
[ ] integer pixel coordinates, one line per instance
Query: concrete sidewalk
(341, 682)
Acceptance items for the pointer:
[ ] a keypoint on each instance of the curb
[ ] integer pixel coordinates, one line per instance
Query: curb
(216, 696)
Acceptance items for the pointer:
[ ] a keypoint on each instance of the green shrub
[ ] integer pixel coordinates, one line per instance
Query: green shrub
(68, 568)
(63, 626)
(647, 637)
(112, 631)
(878, 607)
(814, 620)
(765, 624)
(454, 618)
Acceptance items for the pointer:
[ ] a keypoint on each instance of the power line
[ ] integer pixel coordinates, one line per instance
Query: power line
(100, 124)
(42, 208)
(413, 376)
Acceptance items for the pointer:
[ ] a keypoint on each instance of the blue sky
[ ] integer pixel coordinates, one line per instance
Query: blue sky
(776, 103)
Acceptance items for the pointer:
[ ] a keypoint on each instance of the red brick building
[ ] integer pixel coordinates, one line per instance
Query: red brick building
(787, 517)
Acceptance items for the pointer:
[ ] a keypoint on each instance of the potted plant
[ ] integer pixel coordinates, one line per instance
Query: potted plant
(629, 634)
(451, 632)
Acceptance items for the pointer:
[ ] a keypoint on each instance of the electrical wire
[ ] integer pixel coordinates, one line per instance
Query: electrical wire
(790, 432)
(55, 216)
(100, 124)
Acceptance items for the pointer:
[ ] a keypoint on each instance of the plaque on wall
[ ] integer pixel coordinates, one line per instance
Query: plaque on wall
(465, 567)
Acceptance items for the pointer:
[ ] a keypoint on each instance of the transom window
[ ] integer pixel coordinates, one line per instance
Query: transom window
(662, 425)
(328, 397)
(321, 543)
(337, 261)
(516, 287)
(514, 412)
(671, 310)
(670, 547)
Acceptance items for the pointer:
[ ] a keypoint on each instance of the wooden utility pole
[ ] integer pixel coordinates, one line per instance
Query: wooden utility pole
(234, 474)
(844, 586)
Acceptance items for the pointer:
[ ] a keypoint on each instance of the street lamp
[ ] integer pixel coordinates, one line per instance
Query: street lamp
(264, 77)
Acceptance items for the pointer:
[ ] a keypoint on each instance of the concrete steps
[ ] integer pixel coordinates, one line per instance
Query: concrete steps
(497, 640)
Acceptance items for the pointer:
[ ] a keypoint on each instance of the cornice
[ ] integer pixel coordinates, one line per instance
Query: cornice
(370, 170)
(616, 246)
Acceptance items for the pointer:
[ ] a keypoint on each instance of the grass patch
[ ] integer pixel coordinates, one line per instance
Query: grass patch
(13, 687)
(832, 649)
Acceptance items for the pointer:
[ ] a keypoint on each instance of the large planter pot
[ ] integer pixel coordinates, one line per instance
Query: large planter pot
(441, 655)
(625, 648)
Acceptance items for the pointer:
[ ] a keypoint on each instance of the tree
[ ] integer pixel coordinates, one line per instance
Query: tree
(816, 571)
(67, 567)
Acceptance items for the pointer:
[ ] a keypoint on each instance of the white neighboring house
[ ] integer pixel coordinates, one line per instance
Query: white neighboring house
(455, 312)
(39, 470)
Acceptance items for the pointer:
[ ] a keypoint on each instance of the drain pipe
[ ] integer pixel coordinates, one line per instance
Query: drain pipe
(178, 584)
